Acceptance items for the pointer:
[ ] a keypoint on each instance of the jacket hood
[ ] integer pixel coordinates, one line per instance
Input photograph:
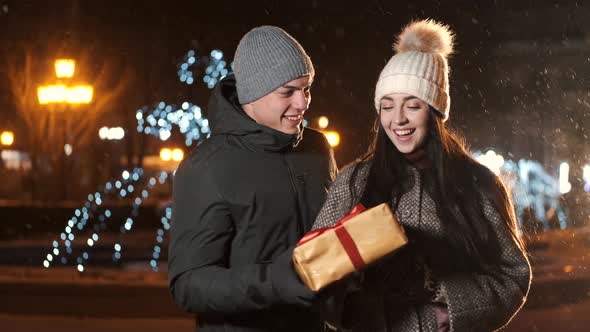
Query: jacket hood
(226, 117)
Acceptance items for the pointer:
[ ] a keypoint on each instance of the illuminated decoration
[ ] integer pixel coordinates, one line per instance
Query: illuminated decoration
(538, 192)
(534, 192)
(82, 216)
(159, 122)
(165, 220)
(564, 175)
(64, 68)
(586, 177)
(7, 138)
(215, 68)
(60, 93)
(323, 122)
(115, 133)
(492, 161)
(123, 187)
(333, 138)
(137, 201)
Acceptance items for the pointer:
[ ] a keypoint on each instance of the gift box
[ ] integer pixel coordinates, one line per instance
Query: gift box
(363, 236)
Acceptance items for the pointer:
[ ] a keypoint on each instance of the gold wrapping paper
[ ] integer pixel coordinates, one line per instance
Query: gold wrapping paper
(323, 260)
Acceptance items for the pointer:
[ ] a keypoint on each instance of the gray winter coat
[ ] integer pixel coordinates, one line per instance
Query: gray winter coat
(475, 301)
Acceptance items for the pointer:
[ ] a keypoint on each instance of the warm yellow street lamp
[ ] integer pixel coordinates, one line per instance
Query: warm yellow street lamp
(333, 138)
(7, 138)
(78, 94)
(167, 154)
(64, 68)
(61, 93)
(177, 155)
(51, 94)
(323, 122)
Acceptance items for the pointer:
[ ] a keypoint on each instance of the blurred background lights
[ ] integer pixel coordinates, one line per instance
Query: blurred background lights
(333, 138)
(64, 68)
(323, 122)
(115, 133)
(491, 160)
(177, 154)
(68, 149)
(564, 173)
(7, 138)
(586, 177)
(160, 120)
(59, 93)
(166, 154)
(160, 123)
(90, 213)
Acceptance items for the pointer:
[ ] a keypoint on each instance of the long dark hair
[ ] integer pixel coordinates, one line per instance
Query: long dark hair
(456, 183)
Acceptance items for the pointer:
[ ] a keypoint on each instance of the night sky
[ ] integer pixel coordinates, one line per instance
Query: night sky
(349, 43)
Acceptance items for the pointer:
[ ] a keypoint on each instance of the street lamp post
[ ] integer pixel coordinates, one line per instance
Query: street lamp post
(61, 93)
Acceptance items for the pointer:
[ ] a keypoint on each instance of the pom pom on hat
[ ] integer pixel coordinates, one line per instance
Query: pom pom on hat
(425, 36)
(420, 66)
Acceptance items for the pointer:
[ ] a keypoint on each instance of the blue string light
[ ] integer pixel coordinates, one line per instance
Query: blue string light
(80, 220)
(127, 178)
(165, 220)
(215, 68)
(137, 201)
(160, 121)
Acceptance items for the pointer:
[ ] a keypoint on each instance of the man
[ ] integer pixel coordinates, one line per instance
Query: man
(244, 197)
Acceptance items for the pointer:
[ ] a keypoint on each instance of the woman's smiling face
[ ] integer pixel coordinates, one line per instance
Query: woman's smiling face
(405, 120)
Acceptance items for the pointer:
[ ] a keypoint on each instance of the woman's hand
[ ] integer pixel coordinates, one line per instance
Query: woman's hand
(442, 317)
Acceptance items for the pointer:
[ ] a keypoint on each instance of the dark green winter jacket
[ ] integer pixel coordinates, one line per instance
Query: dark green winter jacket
(241, 199)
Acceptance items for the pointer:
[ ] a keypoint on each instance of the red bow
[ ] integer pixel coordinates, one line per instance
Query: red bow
(343, 235)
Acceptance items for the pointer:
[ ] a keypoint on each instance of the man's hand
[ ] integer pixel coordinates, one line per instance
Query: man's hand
(286, 283)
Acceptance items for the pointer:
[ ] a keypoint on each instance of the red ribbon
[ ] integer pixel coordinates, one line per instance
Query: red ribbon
(343, 236)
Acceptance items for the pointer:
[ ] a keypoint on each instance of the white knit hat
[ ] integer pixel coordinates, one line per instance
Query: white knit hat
(420, 66)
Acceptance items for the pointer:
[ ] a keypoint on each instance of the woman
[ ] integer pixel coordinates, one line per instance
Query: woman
(465, 268)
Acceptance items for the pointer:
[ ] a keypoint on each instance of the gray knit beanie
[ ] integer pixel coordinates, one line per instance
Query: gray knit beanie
(266, 58)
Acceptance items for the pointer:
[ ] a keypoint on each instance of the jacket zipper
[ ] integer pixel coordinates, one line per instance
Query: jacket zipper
(295, 196)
